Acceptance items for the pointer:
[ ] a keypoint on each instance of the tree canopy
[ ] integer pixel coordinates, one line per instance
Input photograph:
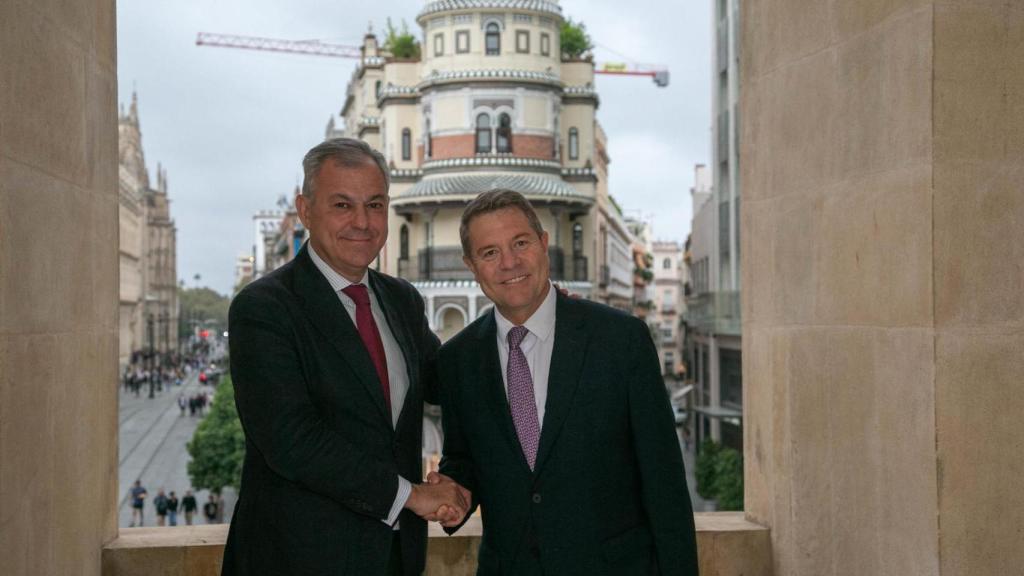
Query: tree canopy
(202, 305)
(218, 444)
(575, 41)
(401, 44)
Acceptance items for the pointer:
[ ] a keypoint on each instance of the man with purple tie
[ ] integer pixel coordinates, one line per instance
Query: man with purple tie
(557, 420)
(331, 363)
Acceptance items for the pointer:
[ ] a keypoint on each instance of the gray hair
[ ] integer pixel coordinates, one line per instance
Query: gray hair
(347, 152)
(492, 201)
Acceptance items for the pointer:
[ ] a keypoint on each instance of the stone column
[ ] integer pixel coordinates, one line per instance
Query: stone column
(882, 160)
(58, 286)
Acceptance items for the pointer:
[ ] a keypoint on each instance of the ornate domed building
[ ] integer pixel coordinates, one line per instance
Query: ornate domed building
(489, 103)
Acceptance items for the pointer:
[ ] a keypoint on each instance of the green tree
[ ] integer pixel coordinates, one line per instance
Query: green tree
(575, 41)
(728, 483)
(705, 469)
(218, 444)
(202, 305)
(401, 44)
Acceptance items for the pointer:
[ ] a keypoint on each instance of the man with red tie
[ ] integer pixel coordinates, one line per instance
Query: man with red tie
(331, 365)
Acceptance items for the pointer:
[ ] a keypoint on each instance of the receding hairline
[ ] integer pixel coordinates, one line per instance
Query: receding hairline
(342, 152)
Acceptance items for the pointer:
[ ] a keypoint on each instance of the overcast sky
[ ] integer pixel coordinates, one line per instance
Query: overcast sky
(231, 126)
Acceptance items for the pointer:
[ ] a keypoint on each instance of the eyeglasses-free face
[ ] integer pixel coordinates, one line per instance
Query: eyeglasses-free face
(509, 261)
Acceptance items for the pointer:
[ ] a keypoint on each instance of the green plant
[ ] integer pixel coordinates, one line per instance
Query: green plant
(202, 305)
(401, 44)
(218, 444)
(574, 40)
(728, 482)
(705, 469)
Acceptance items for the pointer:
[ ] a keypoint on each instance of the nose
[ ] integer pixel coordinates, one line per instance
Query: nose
(360, 219)
(508, 259)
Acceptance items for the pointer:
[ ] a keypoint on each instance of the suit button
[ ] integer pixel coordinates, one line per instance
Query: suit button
(536, 498)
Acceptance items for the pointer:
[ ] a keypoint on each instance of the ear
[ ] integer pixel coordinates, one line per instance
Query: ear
(544, 241)
(302, 205)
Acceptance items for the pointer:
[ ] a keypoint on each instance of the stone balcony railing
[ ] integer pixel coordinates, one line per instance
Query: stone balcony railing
(727, 545)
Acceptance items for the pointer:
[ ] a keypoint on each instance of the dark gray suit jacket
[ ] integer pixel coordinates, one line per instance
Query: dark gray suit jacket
(322, 457)
(608, 496)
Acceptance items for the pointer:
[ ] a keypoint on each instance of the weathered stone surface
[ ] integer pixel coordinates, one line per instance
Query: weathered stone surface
(980, 396)
(727, 545)
(58, 286)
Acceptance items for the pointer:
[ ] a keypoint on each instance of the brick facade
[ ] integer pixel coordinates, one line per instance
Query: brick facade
(464, 145)
(528, 146)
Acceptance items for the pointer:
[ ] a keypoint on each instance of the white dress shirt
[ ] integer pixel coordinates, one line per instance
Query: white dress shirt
(398, 378)
(537, 346)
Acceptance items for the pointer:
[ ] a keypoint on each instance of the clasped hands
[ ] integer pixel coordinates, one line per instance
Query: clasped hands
(440, 499)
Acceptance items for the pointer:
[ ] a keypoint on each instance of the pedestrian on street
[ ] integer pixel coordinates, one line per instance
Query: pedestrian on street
(160, 503)
(210, 509)
(188, 505)
(181, 403)
(138, 494)
(172, 509)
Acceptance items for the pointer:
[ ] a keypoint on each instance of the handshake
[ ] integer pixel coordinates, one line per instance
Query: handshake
(440, 499)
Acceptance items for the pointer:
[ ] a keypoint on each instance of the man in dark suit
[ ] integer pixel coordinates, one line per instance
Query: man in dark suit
(328, 360)
(556, 418)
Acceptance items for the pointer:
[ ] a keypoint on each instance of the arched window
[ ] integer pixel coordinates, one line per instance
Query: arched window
(574, 144)
(403, 242)
(493, 39)
(406, 144)
(483, 134)
(667, 264)
(504, 133)
(577, 240)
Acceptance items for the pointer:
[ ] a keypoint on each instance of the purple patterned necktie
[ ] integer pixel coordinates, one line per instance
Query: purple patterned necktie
(521, 400)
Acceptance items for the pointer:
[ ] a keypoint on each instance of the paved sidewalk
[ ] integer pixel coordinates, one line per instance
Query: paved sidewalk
(152, 435)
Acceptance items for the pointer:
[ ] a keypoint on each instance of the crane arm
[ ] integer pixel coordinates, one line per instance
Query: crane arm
(311, 47)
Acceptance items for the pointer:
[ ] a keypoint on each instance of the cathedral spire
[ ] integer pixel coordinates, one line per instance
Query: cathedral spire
(133, 111)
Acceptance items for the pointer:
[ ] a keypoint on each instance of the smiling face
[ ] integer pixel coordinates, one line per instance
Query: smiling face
(509, 261)
(347, 216)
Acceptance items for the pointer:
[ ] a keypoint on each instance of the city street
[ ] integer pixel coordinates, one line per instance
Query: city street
(152, 439)
(690, 463)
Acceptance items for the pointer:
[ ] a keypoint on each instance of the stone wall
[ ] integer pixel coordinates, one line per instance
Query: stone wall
(727, 545)
(882, 161)
(58, 285)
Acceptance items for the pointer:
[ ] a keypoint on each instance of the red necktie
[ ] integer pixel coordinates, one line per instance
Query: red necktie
(370, 336)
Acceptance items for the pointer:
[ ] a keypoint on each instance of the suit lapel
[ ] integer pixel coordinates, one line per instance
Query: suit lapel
(494, 384)
(323, 308)
(564, 373)
(400, 330)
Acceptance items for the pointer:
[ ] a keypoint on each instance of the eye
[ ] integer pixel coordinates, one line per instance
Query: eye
(375, 205)
(489, 254)
(521, 243)
(342, 205)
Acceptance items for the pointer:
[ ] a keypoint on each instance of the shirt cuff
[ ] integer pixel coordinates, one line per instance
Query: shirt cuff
(404, 490)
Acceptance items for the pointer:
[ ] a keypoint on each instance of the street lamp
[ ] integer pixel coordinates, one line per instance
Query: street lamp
(149, 335)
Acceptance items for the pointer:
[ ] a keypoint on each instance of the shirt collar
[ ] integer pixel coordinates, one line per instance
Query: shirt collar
(541, 324)
(337, 281)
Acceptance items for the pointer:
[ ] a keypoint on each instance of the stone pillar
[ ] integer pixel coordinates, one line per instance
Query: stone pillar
(58, 286)
(882, 160)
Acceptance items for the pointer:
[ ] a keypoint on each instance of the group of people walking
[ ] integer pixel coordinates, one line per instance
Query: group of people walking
(167, 506)
(196, 403)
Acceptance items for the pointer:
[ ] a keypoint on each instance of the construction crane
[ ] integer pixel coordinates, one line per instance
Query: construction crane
(316, 48)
